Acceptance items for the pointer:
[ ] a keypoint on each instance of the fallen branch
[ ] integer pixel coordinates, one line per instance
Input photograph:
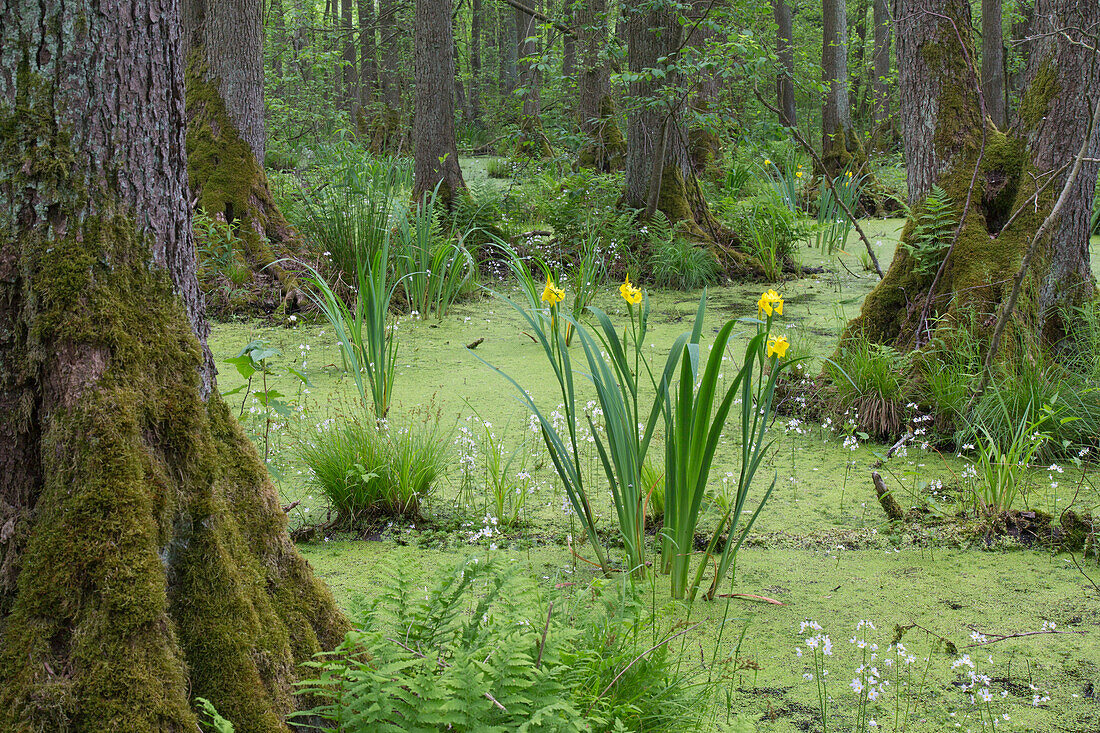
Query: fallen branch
(1001, 637)
(751, 597)
(886, 498)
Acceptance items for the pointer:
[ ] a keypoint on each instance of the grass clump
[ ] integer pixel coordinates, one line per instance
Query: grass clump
(674, 262)
(367, 472)
(871, 386)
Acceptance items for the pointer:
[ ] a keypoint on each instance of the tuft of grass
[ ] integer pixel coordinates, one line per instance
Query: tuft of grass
(367, 472)
(674, 262)
(871, 386)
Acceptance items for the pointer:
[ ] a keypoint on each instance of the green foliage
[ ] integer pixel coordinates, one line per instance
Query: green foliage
(431, 270)
(366, 471)
(933, 231)
(673, 261)
(210, 720)
(768, 228)
(694, 425)
(474, 649)
(465, 654)
(1002, 464)
(499, 168)
(833, 224)
(253, 359)
(215, 243)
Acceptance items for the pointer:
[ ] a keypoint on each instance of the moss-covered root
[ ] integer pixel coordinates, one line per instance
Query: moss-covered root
(532, 141)
(229, 184)
(154, 565)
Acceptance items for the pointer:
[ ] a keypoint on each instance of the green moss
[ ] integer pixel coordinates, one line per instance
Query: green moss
(152, 563)
(229, 183)
(1038, 95)
(607, 151)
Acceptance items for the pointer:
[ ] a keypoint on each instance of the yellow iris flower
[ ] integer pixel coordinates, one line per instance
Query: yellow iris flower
(769, 303)
(630, 294)
(798, 174)
(778, 346)
(552, 294)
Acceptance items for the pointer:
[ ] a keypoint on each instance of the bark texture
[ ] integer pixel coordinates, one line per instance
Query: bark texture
(606, 146)
(532, 140)
(993, 64)
(436, 157)
(143, 555)
(880, 86)
(1020, 173)
(784, 48)
(838, 139)
(225, 142)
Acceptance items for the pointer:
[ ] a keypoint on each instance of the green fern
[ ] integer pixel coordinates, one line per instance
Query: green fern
(933, 232)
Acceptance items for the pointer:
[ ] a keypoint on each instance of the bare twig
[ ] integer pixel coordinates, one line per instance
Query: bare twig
(886, 498)
(541, 16)
(751, 597)
(1001, 637)
(828, 182)
(542, 641)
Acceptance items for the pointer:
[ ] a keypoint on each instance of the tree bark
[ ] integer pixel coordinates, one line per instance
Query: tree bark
(993, 64)
(225, 133)
(1019, 174)
(475, 60)
(532, 139)
(858, 66)
(881, 85)
(506, 50)
(350, 77)
(605, 147)
(784, 48)
(368, 63)
(838, 139)
(436, 157)
(143, 554)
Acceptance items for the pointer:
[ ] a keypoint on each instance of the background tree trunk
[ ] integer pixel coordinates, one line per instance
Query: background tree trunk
(532, 139)
(368, 64)
(993, 64)
(606, 147)
(349, 82)
(388, 134)
(143, 554)
(784, 47)
(436, 157)
(506, 50)
(475, 60)
(225, 137)
(884, 25)
(838, 139)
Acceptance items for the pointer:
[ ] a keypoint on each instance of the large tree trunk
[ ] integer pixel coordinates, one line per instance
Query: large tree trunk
(993, 64)
(225, 137)
(605, 146)
(881, 85)
(436, 157)
(944, 133)
(144, 559)
(784, 48)
(702, 135)
(838, 138)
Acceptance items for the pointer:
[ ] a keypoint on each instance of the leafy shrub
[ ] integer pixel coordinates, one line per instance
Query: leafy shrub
(768, 228)
(367, 472)
(474, 650)
(674, 262)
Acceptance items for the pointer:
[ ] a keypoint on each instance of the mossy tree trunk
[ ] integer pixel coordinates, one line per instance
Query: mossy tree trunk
(839, 143)
(880, 85)
(654, 34)
(993, 64)
(1020, 175)
(226, 137)
(605, 147)
(436, 156)
(144, 559)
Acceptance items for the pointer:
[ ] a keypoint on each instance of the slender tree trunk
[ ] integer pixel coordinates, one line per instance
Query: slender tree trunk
(506, 50)
(278, 46)
(568, 44)
(993, 64)
(144, 558)
(858, 68)
(436, 157)
(533, 141)
(1021, 30)
(703, 143)
(459, 86)
(784, 47)
(838, 138)
(1008, 200)
(368, 63)
(387, 133)
(475, 60)
(883, 30)
(350, 77)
